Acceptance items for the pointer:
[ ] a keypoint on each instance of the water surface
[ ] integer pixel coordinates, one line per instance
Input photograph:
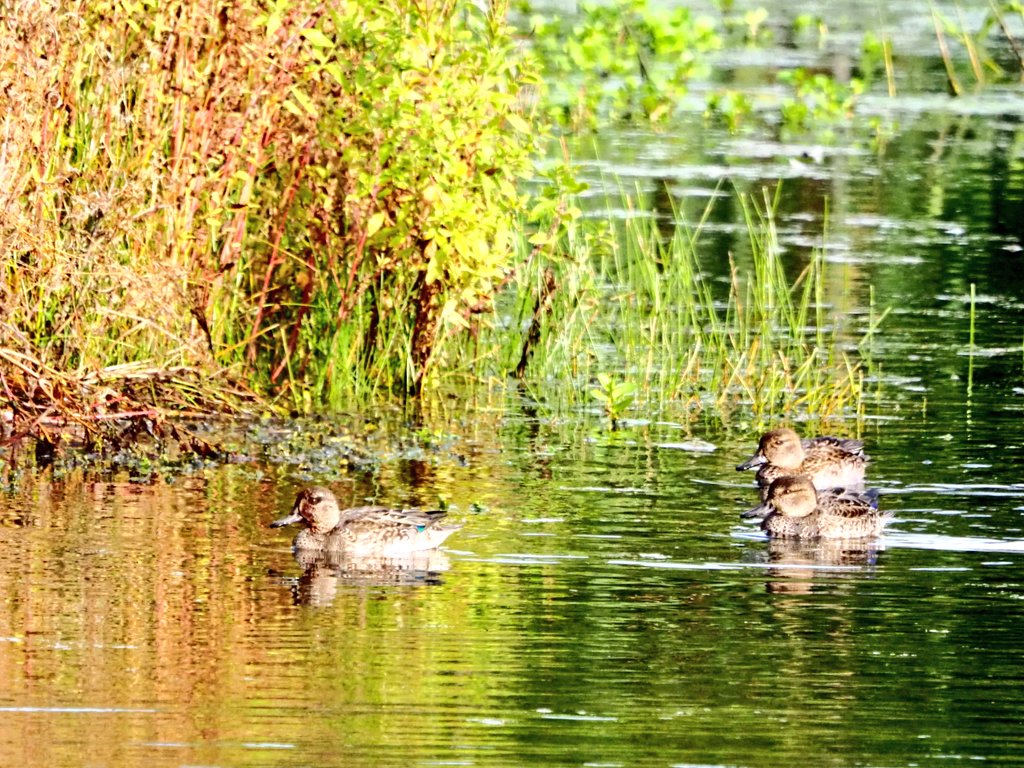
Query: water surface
(603, 605)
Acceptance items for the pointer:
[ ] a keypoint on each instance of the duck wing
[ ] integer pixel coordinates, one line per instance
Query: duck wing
(388, 517)
(827, 444)
(848, 503)
(847, 514)
(382, 531)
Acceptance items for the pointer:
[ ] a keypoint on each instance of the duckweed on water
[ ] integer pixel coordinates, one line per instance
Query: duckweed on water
(304, 448)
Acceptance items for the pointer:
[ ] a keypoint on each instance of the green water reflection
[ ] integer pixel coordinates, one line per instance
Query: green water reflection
(606, 607)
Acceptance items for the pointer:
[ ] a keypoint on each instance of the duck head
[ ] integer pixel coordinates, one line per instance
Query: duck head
(316, 508)
(780, 447)
(792, 496)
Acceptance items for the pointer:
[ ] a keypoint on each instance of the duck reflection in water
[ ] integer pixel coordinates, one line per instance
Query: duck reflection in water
(367, 546)
(803, 566)
(323, 573)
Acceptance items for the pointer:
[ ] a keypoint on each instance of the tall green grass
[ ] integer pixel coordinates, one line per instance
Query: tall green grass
(635, 302)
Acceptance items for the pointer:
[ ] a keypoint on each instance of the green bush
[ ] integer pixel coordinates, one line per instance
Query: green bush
(312, 197)
(409, 173)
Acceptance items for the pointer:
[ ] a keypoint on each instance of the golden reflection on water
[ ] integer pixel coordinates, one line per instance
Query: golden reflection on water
(600, 607)
(166, 611)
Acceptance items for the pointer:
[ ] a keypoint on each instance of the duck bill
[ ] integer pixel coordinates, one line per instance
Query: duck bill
(289, 519)
(761, 510)
(754, 461)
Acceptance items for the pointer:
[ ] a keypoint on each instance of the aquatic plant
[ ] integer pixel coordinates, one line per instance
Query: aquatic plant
(629, 60)
(639, 306)
(971, 349)
(983, 66)
(729, 106)
(615, 396)
(875, 54)
(817, 97)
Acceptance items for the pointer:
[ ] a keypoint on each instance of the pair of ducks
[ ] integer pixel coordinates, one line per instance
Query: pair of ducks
(804, 488)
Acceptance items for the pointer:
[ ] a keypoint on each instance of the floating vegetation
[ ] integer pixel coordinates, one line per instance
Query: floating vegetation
(147, 449)
(105, 412)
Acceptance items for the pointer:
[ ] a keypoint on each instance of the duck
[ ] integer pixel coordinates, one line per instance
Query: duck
(794, 508)
(830, 462)
(368, 531)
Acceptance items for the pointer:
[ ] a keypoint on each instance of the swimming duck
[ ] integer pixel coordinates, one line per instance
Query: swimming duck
(362, 531)
(830, 462)
(794, 508)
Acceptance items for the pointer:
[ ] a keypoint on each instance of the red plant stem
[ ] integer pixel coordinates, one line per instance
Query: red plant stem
(289, 197)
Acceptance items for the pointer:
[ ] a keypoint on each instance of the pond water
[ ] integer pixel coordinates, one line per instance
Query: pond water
(604, 605)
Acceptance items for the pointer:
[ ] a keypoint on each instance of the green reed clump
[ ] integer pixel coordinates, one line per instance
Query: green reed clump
(635, 300)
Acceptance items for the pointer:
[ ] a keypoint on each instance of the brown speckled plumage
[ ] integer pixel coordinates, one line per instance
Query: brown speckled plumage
(362, 531)
(830, 462)
(794, 508)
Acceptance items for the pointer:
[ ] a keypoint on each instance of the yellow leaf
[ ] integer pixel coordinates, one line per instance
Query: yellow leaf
(451, 316)
(273, 24)
(304, 101)
(334, 70)
(317, 38)
(435, 269)
(518, 123)
(431, 193)
(374, 224)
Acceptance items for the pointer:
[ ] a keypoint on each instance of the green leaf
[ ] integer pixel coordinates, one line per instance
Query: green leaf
(518, 123)
(317, 38)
